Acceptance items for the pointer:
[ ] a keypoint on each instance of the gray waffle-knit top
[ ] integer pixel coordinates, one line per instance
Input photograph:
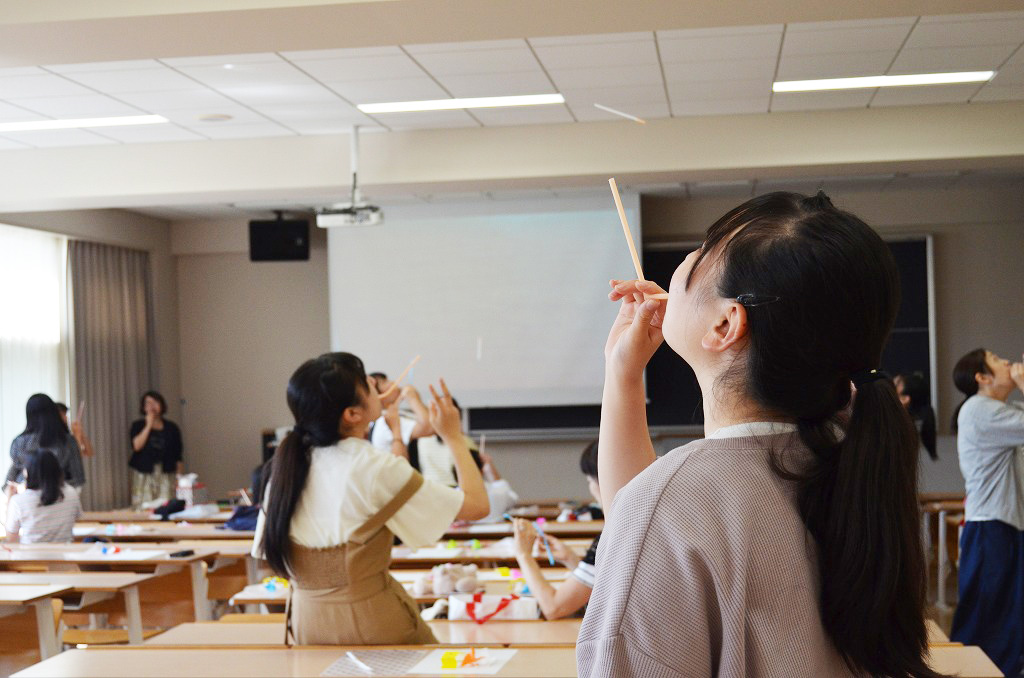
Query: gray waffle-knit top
(706, 569)
(990, 445)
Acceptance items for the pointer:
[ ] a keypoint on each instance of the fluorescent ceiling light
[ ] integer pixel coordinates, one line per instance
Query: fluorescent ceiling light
(80, 123)
(882, 81)
(453, 104)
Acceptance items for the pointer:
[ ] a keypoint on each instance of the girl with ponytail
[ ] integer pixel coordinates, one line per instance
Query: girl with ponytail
(334, 505)
(786, 542)
(990, 444)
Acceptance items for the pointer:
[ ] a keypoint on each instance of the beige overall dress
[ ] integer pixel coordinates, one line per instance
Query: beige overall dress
(344, 595)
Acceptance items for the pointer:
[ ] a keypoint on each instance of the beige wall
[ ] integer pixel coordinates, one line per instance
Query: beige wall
(244, 327)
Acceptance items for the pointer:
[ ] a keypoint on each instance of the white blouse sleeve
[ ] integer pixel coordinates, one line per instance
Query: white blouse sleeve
(423, 519)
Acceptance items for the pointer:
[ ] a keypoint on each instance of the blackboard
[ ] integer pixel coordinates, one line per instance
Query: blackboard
(674, 398)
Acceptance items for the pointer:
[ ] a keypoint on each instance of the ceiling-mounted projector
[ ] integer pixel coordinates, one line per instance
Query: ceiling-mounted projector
(356, 212)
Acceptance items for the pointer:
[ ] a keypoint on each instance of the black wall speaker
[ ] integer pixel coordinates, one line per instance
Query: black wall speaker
(279, 240)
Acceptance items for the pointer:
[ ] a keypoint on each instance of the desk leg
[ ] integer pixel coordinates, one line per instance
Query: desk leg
(133, 609)
(46, 627)
(199, 601)
(252, 570)
(940, 583)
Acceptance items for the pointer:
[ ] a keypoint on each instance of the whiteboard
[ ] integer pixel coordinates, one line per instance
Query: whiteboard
(506, 300)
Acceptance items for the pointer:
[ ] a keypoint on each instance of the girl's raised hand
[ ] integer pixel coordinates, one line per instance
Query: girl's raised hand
(636, 333)
(444, 416)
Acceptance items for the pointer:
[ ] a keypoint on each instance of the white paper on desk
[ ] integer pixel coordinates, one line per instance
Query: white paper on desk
(437, 553)
(83, 530)
(492, 661)
(383, 663)
(503, 548)
(482, 527)
(125, 554)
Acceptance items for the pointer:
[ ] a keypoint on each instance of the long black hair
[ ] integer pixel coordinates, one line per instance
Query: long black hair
(46, 475)
(963, 377)
(43, 419)
(318, 393)
(825, 292)
(915, 387)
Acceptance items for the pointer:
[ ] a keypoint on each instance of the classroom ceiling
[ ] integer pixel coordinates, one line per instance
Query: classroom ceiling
(651, 74)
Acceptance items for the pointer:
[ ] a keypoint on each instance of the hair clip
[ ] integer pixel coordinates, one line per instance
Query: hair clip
(756, 299)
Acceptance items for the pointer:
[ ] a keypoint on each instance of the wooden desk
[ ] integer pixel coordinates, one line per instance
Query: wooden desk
(244, 662)
(129, 516)
(37, 597)
(963, 661)
(536, 632)
(94, 586)
(575, 529)
(71, 557)
(490, 554)
(157, 531)
(935, 634)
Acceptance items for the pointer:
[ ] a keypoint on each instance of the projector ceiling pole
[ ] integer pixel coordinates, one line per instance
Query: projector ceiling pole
(354, 161)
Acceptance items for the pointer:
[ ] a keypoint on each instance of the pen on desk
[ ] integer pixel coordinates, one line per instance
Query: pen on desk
(355, 660)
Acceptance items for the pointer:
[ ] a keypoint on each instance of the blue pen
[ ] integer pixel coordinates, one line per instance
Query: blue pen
(547, 547)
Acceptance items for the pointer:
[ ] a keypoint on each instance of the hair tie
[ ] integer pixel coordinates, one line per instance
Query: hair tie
(863, 377)
(300, 431)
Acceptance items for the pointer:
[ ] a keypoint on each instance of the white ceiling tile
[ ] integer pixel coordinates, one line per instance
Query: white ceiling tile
(689, 33)
(720, 48)
(950, 59)
(222, 60)
(362, 68)
(741, 69)
(928, 180)
(160, 79)
(867, 39)
(997, 93)
(821, 101)
(191, 116)
(87, 105)
(985, 16)
(158, 102)
(427, 120)
(10, 112)
(724, 188)
(257, 95)
(478, 61)
(522, 115)
(98, 66)
(719, 89)
(11, 145)
(241, 130)
(585, 78)
(837, 65)
(506, 84)
(1012, 73)
(343, 53)
(598, 55)
(589, 39)
(149, 134)
(21, 70)
(465, 46)
(804, 186)
(337, 110)
(864, 182)
(926, 94)
(720, 106)
(247, 75)
(640, 94)
(58, 137)
(49, 85)
(967, 34)
(647, 111)
(849, 23)
(399, 89)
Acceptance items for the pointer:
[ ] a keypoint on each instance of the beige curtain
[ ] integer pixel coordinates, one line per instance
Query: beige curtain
(113, 359)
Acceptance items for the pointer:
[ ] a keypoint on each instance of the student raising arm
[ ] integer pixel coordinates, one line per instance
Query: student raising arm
(334, 505)
(786, 543)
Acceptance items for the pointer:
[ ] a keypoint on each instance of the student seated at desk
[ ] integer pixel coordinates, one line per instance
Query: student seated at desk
(334, 505)
(48, 508)
(574, 593)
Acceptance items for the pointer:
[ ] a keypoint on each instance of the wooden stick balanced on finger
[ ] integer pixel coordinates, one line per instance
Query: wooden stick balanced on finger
(629, 239)
(396, 382)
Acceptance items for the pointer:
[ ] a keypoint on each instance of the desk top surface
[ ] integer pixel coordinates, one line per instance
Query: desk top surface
(91, 554)
(227, 662)
(588, 528)
(77, 581)
(129, 516)
(157, 531)
(23, 595)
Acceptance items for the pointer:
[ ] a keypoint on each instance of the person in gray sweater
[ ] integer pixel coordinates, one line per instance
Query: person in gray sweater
(785, 543)
(990, 444)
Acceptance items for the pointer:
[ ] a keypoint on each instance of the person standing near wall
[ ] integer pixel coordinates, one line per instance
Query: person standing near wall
(990, 444)
(156, 452)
